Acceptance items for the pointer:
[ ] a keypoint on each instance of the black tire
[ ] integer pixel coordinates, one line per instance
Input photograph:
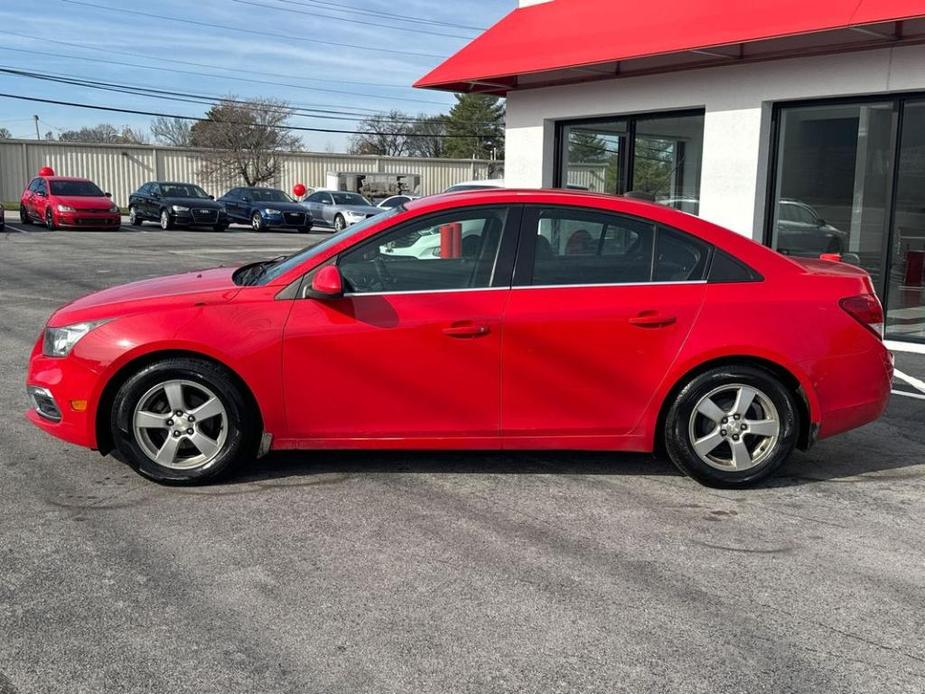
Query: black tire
(339, 223)
(50, 220)
(133, 217)
(257, 223)
(220, 228)
(773, 402)
(166, 223)
(306, 229)
(24, 217)
(236, 446)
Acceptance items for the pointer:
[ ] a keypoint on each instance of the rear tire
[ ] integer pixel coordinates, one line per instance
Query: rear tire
(732, 426)
(24, 217)
(171, 448)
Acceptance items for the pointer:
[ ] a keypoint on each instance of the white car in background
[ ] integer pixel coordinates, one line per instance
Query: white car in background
(395, 201)
(476, 185)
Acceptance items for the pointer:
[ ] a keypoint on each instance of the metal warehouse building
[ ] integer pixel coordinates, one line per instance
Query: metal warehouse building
(799, 124)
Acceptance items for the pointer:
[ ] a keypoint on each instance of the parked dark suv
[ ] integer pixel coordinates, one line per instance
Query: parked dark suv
(175, 204)
(265, 208)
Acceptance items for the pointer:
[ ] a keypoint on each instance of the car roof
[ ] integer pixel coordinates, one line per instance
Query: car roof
(65, 178)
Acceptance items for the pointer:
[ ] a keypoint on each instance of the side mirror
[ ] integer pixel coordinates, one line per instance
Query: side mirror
(108, 195)
(326, 284)
(211, 197)
(820, 222)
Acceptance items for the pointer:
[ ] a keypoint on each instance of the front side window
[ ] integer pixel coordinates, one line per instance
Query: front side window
(457, 250)
(350, 199)
(183, 190)
(269, 195)
(585, 247)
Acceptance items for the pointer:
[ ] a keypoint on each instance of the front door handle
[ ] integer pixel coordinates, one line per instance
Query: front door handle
(466, 329)
(652, 319)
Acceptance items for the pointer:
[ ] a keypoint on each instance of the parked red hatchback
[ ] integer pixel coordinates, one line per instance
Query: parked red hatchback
(536, 319)
(63, 202)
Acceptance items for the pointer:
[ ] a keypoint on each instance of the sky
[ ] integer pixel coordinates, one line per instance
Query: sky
(265, 48)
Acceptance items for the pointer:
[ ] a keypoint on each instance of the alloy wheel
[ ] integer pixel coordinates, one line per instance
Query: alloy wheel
(132, 216)
(256, 222)
(734, 427)
(49, 220)
(180, 424)
(339, 223)
(165, 220)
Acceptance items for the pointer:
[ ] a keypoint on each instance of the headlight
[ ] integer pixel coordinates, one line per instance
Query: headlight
(270, 212)
(58, 342)
(179, 208)
(354, 215)
(65, 208)
(114, 208)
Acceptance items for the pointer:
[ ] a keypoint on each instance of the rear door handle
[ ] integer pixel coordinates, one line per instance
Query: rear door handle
(652, 319)
(466, 329)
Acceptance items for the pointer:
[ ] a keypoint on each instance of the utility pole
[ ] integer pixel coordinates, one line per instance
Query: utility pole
(36, 119)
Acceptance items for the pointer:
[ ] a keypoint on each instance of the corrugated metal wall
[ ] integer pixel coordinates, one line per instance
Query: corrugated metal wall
(122, 169)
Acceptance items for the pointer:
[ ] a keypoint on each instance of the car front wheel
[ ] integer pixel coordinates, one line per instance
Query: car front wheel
(133, 217)
(731, 426)
(24, 217)
(50, 220)
(339, 223)
(257, 223)
(182, 421)
(166, 221)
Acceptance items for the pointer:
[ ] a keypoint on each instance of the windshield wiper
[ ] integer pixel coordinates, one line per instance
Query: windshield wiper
(260, 269)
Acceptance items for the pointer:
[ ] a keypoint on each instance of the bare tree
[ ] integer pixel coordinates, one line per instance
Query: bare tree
(5, 134)
(105, 133)
(430, 137)
(175, 132)
(385, 134)
(246, 139)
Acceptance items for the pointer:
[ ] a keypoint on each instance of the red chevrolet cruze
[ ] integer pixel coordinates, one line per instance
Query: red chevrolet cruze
(63, 202)
(486, 320)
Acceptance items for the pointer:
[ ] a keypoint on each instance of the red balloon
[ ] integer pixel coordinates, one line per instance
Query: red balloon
(46, 171)
(299, 190)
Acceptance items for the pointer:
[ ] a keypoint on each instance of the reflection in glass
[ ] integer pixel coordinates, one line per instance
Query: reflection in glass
(667, 156)
(906, 295)
(592, 156)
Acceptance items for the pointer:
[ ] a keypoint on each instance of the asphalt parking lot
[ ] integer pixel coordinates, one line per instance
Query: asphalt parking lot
(423, 572)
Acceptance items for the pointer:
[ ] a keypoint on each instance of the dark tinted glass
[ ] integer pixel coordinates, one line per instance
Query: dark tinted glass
(725, 268)
(182, 190)
(75, 188)
(680, 257)
(267, 195)
(452, 251)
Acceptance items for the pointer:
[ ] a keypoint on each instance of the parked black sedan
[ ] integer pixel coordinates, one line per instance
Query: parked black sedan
(175, 204)
(265, 208)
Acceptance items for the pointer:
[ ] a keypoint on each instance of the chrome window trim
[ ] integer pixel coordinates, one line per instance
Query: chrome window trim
(520, 287)
(429, 291)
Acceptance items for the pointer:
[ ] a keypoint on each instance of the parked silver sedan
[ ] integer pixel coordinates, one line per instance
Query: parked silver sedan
(338, 208)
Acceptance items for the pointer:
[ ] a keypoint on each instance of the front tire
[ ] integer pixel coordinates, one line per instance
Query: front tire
(339, 223)
(24, 217)
(182, 421)
(257, 223)
(731, 426)
(133, 217)
(166, 221)
(220, 228)
(50, 220)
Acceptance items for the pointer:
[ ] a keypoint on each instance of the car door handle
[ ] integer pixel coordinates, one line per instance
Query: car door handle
(652, 319)
(466, 329)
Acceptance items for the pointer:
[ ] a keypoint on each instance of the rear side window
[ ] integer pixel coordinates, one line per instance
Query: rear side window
(577, 246)
(725, 268)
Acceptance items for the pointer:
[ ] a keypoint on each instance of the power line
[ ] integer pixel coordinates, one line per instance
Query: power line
(352, 20)
(156, 114)
(251, 31)
(204, 99)
(228, 77)
(359, 10)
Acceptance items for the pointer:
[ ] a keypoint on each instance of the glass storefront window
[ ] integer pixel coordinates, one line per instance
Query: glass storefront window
(656, 157)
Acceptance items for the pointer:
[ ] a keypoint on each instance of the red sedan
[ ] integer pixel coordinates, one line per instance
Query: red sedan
(536, 320)
(61, 202)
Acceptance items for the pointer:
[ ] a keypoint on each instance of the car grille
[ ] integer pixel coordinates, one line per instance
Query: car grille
(97, 210)
(205, 215)
(89, 221)
(295, 219)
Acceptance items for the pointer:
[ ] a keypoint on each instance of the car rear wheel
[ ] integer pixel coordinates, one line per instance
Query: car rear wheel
(50, 220)
(182, 421)
(133, 217)
(339, 223)
(257, 223)
(166, 221)
(731, 426)
(24, 217)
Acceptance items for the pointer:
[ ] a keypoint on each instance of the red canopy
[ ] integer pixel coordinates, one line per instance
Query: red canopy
(533, 45)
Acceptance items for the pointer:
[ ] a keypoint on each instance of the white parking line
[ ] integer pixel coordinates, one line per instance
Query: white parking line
(916, 383)
(896, 346)
(908, 395)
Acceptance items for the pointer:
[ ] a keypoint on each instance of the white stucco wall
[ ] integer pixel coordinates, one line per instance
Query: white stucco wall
(737, 100)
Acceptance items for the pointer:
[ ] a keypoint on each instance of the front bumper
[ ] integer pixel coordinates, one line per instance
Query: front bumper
(84, 220)
(287, 220)
(200, 218)
(71, 385)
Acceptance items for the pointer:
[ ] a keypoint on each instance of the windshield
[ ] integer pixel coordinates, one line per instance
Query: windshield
(268, 195)
(284, 266)
(350, 199)
(182, 190)
(78, 189)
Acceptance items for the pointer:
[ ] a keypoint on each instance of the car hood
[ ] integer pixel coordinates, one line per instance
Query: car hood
(360, 209)
(84, 203)
(193, 202)
(205, 286)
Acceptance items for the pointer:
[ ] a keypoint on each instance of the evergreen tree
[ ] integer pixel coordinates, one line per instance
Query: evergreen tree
(475, 125)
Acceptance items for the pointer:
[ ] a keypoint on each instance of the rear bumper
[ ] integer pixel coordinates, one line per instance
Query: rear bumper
(853, 390)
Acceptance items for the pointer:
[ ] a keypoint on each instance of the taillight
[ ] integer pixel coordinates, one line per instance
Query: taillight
(866, 310)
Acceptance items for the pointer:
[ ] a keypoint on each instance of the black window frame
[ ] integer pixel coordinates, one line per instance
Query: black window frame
(526, 247)
(502, 272)
(631, 120)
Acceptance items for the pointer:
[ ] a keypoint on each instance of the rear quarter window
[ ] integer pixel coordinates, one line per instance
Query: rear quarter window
(725, 268)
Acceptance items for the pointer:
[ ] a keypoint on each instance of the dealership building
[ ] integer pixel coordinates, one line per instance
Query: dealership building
(799, 124)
